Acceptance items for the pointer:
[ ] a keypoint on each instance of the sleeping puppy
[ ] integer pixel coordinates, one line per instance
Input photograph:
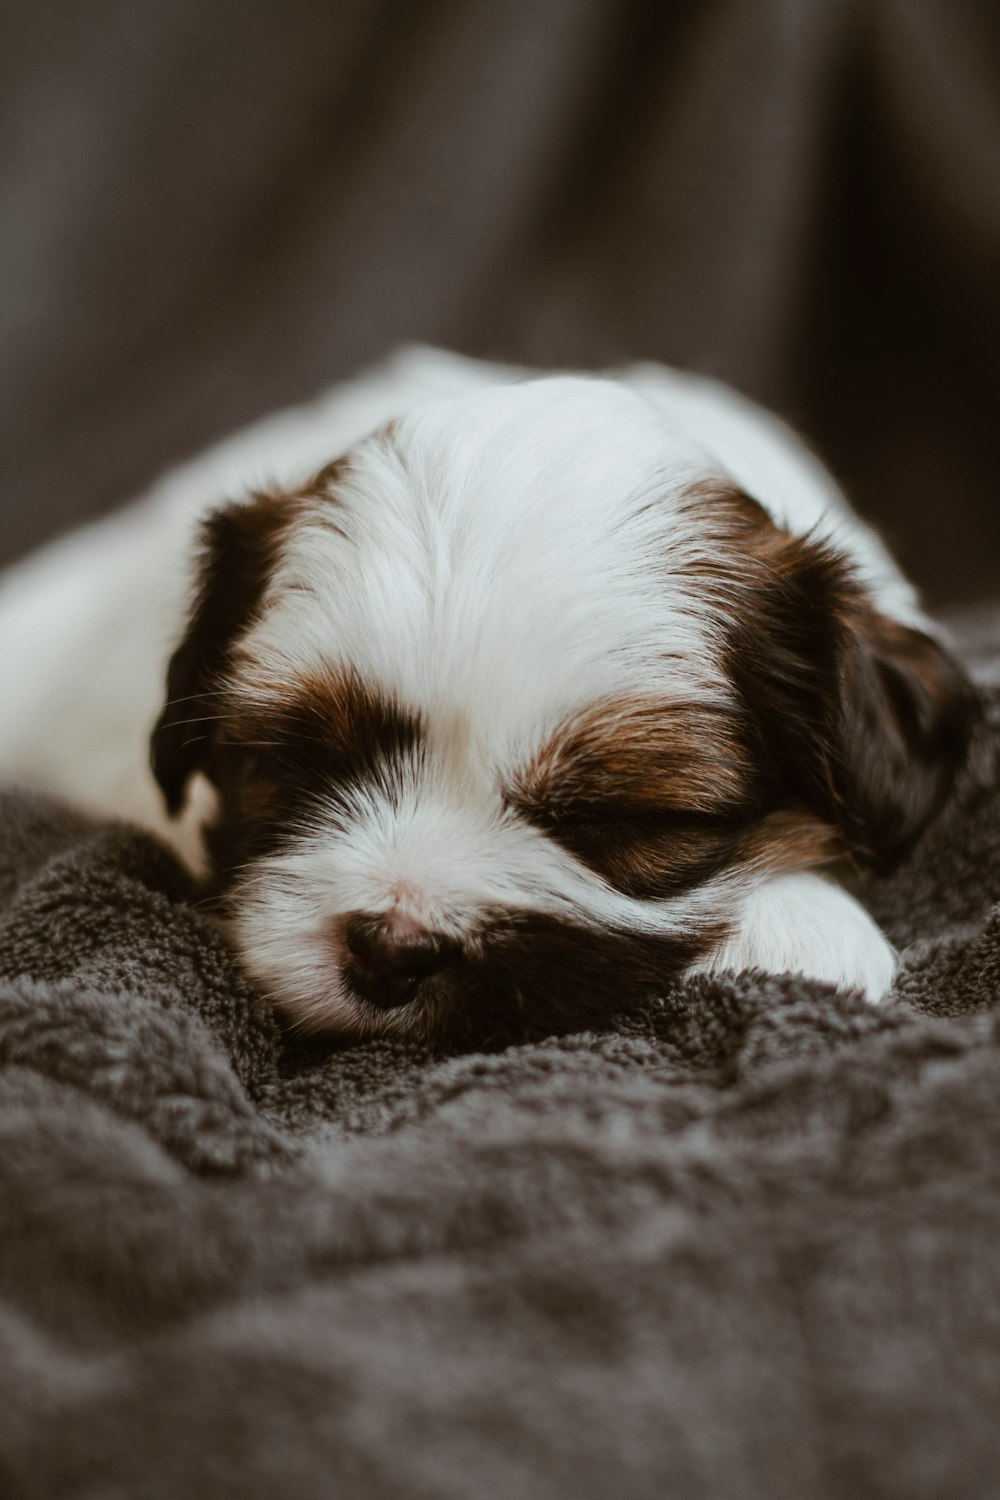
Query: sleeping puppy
(506, 699)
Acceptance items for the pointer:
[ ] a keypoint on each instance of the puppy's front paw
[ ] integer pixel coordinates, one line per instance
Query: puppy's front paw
(805, 924)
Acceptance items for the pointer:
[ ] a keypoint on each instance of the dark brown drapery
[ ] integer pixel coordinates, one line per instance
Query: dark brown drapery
(211, 210)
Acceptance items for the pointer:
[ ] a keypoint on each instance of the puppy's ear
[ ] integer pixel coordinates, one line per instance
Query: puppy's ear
(864, 719)
(904, 722)
(239, 548)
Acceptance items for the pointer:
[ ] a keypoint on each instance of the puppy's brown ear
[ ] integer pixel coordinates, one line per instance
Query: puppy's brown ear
(239, 549)
(863, 719)
(905, 717)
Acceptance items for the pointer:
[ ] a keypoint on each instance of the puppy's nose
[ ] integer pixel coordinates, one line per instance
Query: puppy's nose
(389, 966)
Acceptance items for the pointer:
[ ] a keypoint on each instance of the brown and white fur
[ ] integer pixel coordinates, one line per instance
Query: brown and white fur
(501, 698)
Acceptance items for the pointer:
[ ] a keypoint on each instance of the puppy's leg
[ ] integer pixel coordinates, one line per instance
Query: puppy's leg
(803, 923)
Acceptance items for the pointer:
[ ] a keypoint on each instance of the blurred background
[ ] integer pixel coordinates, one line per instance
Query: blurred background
(211, 208)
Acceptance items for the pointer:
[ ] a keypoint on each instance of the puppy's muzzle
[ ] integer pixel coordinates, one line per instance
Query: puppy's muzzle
(387, 966)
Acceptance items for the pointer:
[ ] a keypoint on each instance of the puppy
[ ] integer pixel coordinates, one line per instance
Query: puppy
(506, 698)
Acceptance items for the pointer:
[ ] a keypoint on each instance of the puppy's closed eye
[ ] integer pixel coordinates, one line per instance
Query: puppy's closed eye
(645, 852)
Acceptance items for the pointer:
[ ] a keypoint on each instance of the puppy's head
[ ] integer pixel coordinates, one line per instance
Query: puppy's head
(506, 708)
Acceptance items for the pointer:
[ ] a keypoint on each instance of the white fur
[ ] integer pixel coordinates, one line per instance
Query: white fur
(802, 923)
(515, 552)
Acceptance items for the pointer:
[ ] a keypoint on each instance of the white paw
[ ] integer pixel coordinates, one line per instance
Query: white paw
(805, 924)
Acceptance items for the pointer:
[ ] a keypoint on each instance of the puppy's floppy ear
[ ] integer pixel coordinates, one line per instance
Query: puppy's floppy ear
(864, 719)
(240, 544)
(905, 718)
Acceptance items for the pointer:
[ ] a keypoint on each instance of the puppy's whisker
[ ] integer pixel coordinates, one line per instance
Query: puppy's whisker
(198, 719)
(191, 697)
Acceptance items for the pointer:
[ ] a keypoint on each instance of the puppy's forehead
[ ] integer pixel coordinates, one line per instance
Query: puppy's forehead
(515, 555)
(547, 443)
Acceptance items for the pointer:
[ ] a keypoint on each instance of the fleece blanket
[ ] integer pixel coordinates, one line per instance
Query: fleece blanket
(743, 1240)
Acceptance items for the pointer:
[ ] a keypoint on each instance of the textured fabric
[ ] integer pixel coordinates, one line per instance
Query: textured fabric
(213, 210)
(741, 1242)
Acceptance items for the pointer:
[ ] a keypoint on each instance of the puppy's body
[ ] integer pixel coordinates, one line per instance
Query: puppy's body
(545, 690)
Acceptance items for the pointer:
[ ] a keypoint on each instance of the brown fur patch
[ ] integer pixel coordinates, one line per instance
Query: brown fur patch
(653, 756)
(653, 795)
(668, 800)
(859, 719)
(784, 841)
(294, 746)
(240, 546)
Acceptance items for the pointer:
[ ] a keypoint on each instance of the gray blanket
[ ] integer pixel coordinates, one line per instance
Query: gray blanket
(740, 1242)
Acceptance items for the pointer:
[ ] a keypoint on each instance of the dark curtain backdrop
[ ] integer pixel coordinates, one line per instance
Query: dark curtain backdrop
(213, 207)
